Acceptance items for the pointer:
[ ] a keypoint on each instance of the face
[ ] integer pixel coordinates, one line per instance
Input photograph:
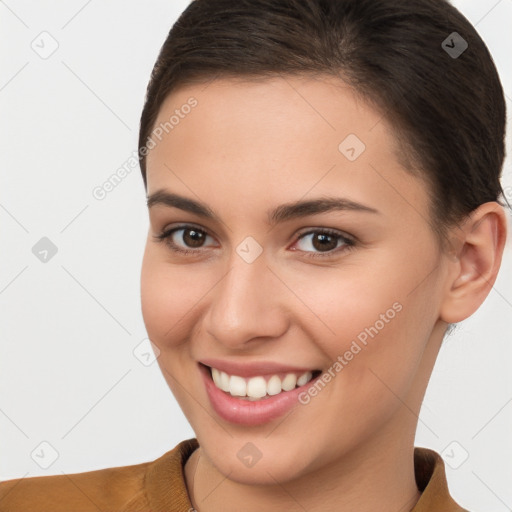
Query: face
(344, 292)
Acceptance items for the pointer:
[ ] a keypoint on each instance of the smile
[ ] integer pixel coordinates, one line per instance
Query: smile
(259, 387)
(262, 393)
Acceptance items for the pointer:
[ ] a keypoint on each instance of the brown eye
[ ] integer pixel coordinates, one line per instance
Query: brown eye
(324, 242)
(184, 239)
(193, 237)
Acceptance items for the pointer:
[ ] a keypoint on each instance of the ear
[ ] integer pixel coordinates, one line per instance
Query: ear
(480, 241)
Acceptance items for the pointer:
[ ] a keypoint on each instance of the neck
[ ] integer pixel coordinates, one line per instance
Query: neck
(378, 476)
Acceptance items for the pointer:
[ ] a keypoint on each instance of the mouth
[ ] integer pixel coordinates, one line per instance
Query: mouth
(255, 398)
(260, 387)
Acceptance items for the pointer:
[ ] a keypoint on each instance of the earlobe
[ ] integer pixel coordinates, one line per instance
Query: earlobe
(475, 268)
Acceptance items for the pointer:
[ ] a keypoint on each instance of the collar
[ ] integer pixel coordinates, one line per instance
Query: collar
(431, 481)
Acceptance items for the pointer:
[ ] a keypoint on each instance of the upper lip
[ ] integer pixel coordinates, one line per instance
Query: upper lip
(253, 369)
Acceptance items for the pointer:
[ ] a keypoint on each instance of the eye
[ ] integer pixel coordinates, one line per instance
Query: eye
(187, 242)
(327, 241)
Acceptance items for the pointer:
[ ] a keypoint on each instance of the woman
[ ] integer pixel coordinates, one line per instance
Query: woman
(323, 186)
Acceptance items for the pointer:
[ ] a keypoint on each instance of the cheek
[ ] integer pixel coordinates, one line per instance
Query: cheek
(168, 295)
(171, 296)
(391, 293)
(377, 320)
(164, 297)
(347, 304)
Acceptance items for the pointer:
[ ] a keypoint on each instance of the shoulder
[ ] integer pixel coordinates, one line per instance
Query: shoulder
(92, 490)
(118, 488)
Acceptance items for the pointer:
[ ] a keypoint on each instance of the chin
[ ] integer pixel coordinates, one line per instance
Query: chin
(272, 471)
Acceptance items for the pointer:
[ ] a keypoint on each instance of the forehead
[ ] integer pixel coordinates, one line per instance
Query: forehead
(295, 108)
(276, 136)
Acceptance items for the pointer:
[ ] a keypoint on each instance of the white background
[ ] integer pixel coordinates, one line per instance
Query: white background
(68, 374)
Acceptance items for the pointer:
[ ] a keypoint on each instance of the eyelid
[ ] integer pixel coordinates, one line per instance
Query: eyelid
(166, 234)
(331, 231)
(349, 240)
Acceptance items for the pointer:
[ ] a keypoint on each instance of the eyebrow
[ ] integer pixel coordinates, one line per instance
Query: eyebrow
(281, 213)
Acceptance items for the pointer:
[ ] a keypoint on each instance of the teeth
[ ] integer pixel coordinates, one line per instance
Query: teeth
(221, 379)
(258, 387)
(224, 382)
(274, 385)
(216, 377)
(305, 377)
(237, 386)
(289, 382)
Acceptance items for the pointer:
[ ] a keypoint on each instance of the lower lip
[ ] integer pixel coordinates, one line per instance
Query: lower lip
(246, 412)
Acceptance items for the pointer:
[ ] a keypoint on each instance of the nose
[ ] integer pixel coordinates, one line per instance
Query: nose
(246, 305)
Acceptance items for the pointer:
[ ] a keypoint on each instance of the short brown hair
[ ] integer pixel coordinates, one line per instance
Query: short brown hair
(448, 113)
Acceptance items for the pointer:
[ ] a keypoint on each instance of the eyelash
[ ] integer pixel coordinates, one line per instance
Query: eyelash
(350, 243)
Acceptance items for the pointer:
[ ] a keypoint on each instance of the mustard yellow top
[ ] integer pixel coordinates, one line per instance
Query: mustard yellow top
(159, 486)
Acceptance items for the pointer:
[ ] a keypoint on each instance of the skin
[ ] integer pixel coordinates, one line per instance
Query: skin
(251, 146)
